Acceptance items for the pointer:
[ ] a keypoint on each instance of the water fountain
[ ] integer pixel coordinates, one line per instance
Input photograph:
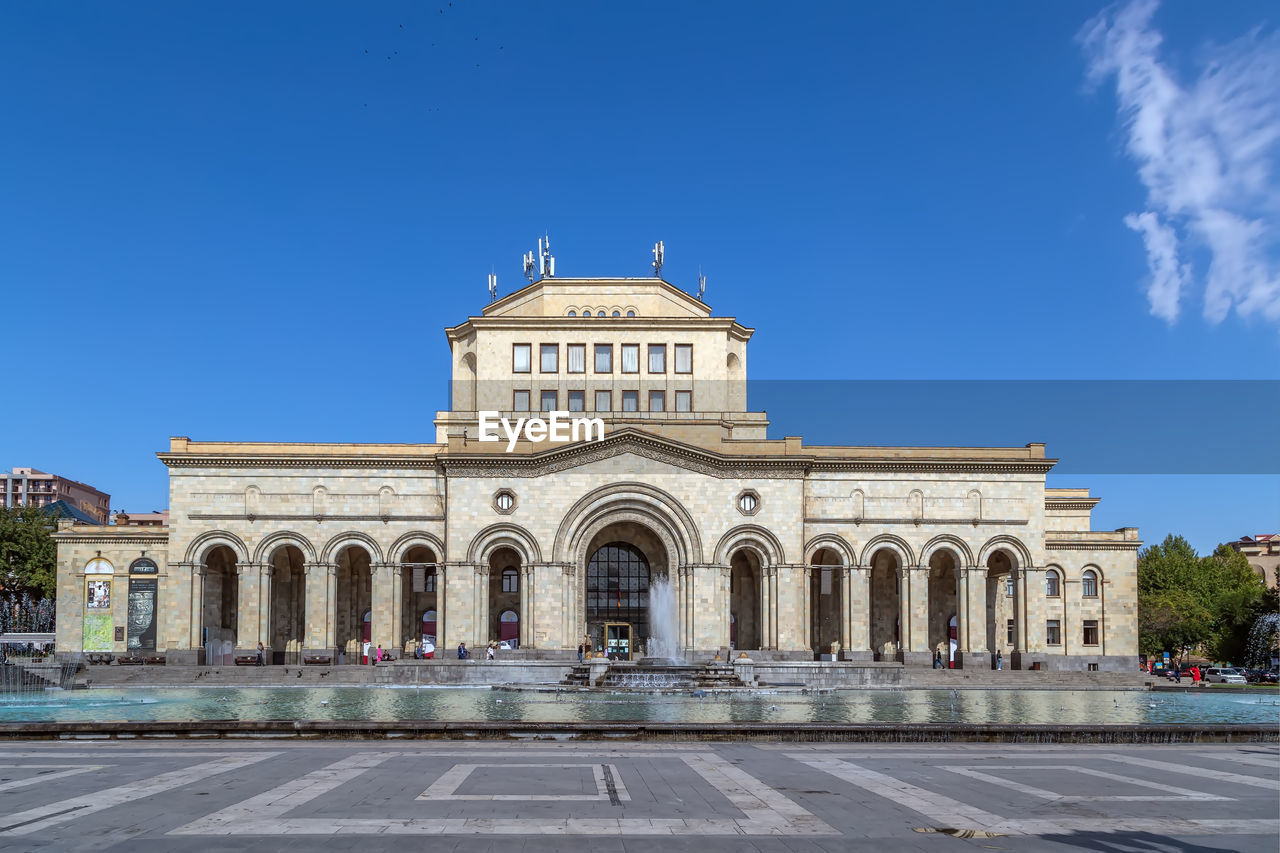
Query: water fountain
(26, 626)
(1263, 640)
(664, 625)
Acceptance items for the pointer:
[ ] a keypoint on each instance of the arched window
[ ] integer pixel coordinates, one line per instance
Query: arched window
(1010, 585)
(1089, 584)
(631, 313)
(618, 586)
(573, 313)
(617, 313)
(510, 580)
(1052, 585)
(600, 313)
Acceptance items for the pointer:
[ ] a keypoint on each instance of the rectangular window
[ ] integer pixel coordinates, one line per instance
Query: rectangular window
(1009, 633)
(657, 401)
(1010, 586)
(1091, 632)
(684, 401)
(1053, 632)
(657, 358)
(630, 358)
(604, 358)
(548, 401)
(520, 354)
(429, 584)
(576, 356)
(520, 400)
(630, 401)
(549, 358)
(604, 401)
(577, 401)
(684, 358)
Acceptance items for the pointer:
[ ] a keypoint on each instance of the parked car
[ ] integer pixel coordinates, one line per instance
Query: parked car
(1271, 676)
(1223, 675)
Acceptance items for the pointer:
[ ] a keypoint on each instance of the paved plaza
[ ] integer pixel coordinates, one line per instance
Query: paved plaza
(373, 796)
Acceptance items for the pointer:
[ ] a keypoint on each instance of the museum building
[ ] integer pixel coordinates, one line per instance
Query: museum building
(769, 545)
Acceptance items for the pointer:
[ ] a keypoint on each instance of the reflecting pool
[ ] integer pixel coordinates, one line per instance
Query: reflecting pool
(477, 704)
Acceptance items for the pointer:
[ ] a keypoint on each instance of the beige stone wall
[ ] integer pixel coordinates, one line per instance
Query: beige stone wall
(77, 545)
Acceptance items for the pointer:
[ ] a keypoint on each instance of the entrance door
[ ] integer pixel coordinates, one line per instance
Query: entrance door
(617, 640)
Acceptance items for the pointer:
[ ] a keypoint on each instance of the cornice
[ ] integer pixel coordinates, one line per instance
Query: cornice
(953, 522)
(302, 516)
(103, 537)
(258, 460)
(1071, 503)
(956, 466)
(1091, 545)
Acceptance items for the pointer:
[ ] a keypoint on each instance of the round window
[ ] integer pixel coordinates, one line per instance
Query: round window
(504, 501)
(748, 502)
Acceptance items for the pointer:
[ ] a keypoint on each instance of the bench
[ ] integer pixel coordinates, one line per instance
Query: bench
(156, 660)
(129, 660)
(100, 657)
(316, 660)
(246, 660)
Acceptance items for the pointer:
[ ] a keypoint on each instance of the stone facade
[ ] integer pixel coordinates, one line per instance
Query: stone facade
(888, 553)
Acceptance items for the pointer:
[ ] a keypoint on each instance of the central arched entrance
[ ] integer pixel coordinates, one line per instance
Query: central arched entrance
(618, 575)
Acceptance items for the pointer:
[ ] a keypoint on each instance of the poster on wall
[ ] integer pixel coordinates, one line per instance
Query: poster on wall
(142, 614)
(97, 595)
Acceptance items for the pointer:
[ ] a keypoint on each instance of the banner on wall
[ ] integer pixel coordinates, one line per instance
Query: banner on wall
(142, 614)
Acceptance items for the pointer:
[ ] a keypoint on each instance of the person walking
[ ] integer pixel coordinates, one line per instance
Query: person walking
(490, 653)
(379, 658)
(261, 655)
(999, 660)
(580, 652)
(937, 660)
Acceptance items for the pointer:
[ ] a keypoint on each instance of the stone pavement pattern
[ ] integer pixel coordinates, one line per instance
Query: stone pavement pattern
(219, 795)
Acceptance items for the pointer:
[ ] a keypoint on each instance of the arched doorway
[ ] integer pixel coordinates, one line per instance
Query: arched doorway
(1003, 614)
(943, 605)
(354, 600)
(886, 636)
(288, 604)
(508, 626)
(617, 607)
(504, 595)
(418, 594)
(744, 600)
(825, 601)
(221, 598)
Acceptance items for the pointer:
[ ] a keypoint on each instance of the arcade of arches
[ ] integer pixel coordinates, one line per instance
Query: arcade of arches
(825, 607)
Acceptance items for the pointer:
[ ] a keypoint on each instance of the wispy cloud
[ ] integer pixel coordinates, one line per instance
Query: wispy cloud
(1206, 152)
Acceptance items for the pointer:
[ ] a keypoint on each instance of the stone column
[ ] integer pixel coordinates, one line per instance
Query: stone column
(481, 593)
(247, 611)
(397, 608)
(266, 573)
(316, 616)
(568, 618)
(975, 623)
(806, 607)
(726, 600)
(772, 640)
(859, 609)
(331, 603)
(846, 609)
(197, 605)
(1031, 621)
(528, 618)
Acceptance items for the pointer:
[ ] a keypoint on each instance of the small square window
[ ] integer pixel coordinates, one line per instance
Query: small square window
(1053, 632)
(549, 358)
(577, 401)
(604, 401)
(630, 401)
(657, 401)
(1091, 632)
(657, 358)
(604, 358)
(684, 401)
(548, 401)
(520, 354)
(520, 400)
(575, 356)
(684, 358)
(630, 358)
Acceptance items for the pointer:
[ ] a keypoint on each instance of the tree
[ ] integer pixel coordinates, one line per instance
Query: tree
(1186, 601)
(28, 554)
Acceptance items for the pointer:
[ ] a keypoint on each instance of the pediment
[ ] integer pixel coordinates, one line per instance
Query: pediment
(623, 442)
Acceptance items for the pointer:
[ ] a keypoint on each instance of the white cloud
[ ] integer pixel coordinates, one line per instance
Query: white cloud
(1206, 153)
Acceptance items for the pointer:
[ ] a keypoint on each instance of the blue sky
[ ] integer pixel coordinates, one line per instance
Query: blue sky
(237, 222)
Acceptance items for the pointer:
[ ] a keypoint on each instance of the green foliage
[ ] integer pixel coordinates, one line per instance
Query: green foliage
(1186, 601)
(28, 554)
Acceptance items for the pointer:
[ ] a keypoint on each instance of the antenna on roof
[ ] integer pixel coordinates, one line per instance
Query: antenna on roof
(658, 251)
(702, 285)
(546, 260)
(528, 265)
(493, 285)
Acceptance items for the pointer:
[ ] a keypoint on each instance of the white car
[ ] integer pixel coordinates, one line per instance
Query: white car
(1223, 675)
